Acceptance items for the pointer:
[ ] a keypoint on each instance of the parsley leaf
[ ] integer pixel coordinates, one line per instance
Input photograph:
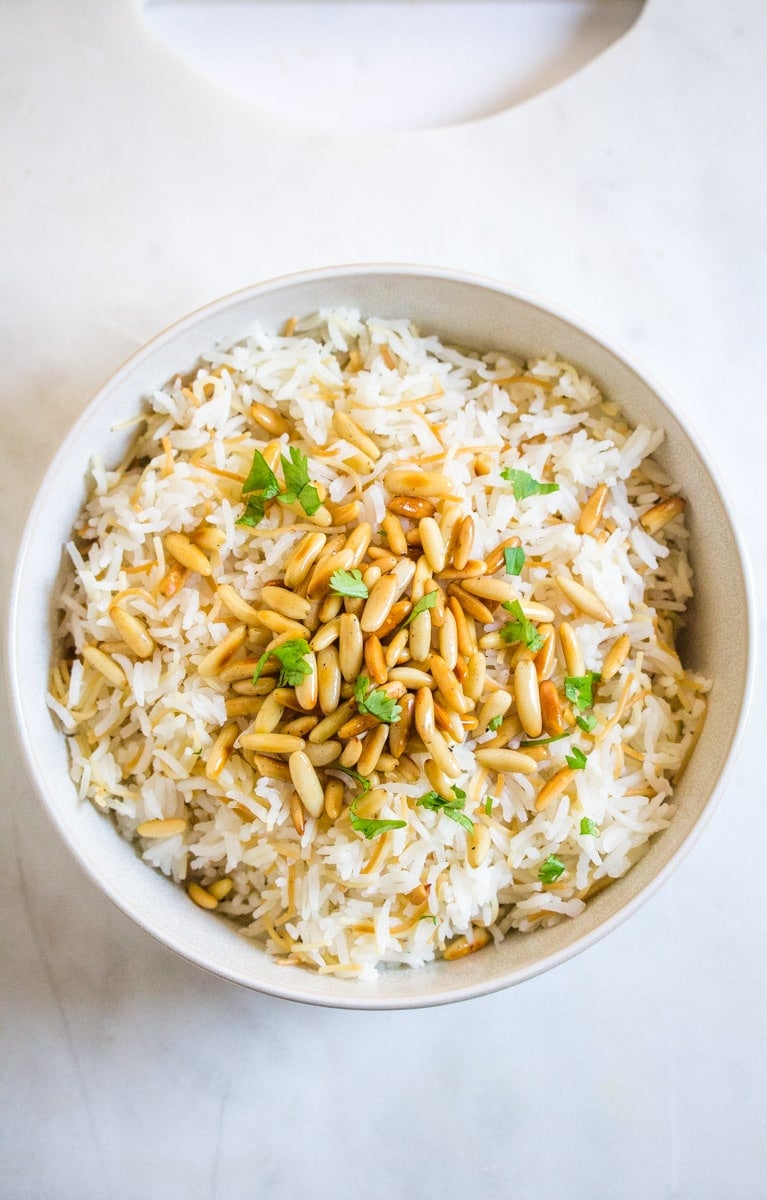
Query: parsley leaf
(586, 723)
(254, 511)
(514, 558)
(369, 827)
(489, 802)
(523, 485)
(495, 723)
(551, 869)
(428, 600)
(362, 780)
(348, 583)
(292, 658)
(261, 478)
(557, 737)
(588, 828)
(297, 485)
(451, 808)
(520, 629)
(375, 703)
(577, 760)
(579, 689)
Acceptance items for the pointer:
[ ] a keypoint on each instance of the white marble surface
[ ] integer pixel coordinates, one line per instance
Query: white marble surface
(634, 194)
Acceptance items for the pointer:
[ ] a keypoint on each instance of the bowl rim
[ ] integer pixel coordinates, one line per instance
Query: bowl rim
(442, 995)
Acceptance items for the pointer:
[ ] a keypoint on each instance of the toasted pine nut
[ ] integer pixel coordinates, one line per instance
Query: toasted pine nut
(424, 714)
(372, 803)
(584, 599)
(496, 705)
(483, 464)
(591, 513)
(437, 778)
(262, 686)
(324, 754)
(169, 827)
(554, 787)
(396, 647)
(537, 612)
(220, 889)
(297, 813)
(506, 761)
(303, 558)
(463, 543)
(306, 782)
(660, 514)
(495, 559)
(448, 640)
(420, 636)
(272, 743)
(471, 605)
(411, 677)
(105, 665)
(350, 431)
(475, 676)
(326, 635)
(200, 897)
(616, 656)
(374, 660)
(346, 514)
(379, 603)
(571, 649)
(400, 730)
(419, 895)
(174, 579)
(334, 798)
(397, 615)
(413, 507)
(213, 661)
(551, 708)
(209, 537)
(432, 542)
(331, 724)
(325, 567)
(243, 706)
(187, 553)
(461, 946)
(285, 602)
(218, 755)
(360, 723)
(350, 755)
(409, 771)
(448, 721)
(271, 768)
(464, 628)
(372, 748)
(133, 632)
(474, 568)
(421, 574)
(477, 845)
(442, 755)
(300, 726)
(527, 698)
(307, 689)
(328, 679)
(269, 419)
(425, 484)
(488, 588)
(371, 575)
(448, 684)
(279, 624)
(395, 534)
(350, 646)
(234, 603)
(546, 658)
(330, 608)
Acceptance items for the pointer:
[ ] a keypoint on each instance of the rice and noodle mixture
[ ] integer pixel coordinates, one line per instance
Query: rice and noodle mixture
(319, 720)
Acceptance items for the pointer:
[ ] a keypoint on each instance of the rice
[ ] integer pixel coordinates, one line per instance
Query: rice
(316, 891)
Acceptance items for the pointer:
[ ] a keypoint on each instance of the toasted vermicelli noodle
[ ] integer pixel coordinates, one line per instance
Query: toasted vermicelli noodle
(314, 621)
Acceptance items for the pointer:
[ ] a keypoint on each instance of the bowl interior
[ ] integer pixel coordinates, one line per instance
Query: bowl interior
(472, 314)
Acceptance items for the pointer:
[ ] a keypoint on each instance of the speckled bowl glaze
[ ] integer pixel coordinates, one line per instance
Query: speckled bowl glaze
(472, 312)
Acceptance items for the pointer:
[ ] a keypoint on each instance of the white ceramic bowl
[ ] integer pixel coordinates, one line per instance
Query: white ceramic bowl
(473, 313)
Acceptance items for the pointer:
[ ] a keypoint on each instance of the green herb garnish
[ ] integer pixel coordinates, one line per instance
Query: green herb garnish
(349, 583)
(588, 828)
(586, 723)
(451, 808)
(551, 869)
(376, 703)
(489, 802)
(427, 601)
(495, 723)
(296, 472)
(557, 737)
(362, 780)
(514, 558)
(579, 689)
(369, 827)
(577, 760)
(520, 629)
(523, 485)
(262, 485)
(292, 658)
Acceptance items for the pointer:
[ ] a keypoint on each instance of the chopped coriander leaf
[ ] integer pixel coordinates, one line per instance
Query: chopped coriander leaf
(292, 658)
(428, 917)
(428, 600)
(376, 703)
(586, 723)
(551, 869)
(520, 629)
(588, 828)
(557, 737)
(579, 689)
(348, 583)
(523, 485)
(495, 723)
(383, 534)
(362, 780)
(255, 510)
(450, 808)
(261, 478)
(577, 760)
(369, 827)
(489, 802)
(297, 485)
(514, 558)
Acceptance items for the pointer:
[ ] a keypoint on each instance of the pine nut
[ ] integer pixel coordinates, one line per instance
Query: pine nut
(616, 656)
(174, 579)
(660, 514)
(307, 783)
(187, 553)
(371, 804)
(464, 628)
(419, 895)
(591, 513)
(423, 484)
(331, 607)
(279, 624)
(262, 686)
(571, 650)
(334, 798)
(331, 724)
(374, 660)
(328, 679)
(477, 845)
(285, 602)
(546, 658)
(319, 580)
(133, 632)
(379, 603)
(461, 946)
(433, 545)
(350, 431)
(421, 574)
(527, 698)
(463, 543)
(209, 538)
(554, 788)
(307, 689)
(537, 612)
(269, 419)
(483, 464)
(584, 599)
(220, 889)
(409, 771)
(495, 559)
(506, 761)
(346, 514)
(357, 724)
(326, 635)
(396, 647)
(243, 706)
(394, 533)
(303, 558)
(235, 604)
(271, 743)
(297, 813)
(438, 779)
(448, 684)
(448, 640)
(271, 768)
(350, 646)
(496, 705)
(105, 665)
(350, 755)
(551, 709)
(475, 676)
(300, 726)
(442, 755)
(487, 588)
(449, 524)
(413, 507)
(400, 730)
(472, 605)
(474, 568)
(424, 714)
(397, 615)
(372, 748)
(324, 754)
(169, 827)
(218, 755)
(449, 722)
(371, 575)
(420, 636)
(411, 677)
(200, 897)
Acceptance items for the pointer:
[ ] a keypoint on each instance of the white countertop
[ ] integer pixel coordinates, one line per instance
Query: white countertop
(633, 193)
